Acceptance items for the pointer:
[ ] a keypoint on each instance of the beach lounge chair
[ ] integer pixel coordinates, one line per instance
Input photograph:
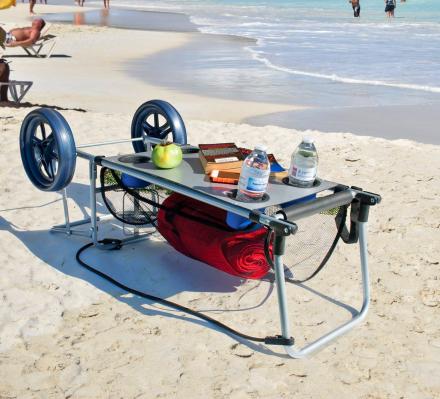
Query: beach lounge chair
(17, 89)
(46, 41)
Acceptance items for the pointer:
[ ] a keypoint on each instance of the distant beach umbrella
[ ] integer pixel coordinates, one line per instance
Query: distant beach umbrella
(6, 4)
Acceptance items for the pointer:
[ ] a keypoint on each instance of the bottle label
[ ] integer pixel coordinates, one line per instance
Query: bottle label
(303, 174)
(253, 179)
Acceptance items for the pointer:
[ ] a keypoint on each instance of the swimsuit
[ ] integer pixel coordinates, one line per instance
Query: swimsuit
(6, 38)
(389, 6)
(9, 38)
(357, 9)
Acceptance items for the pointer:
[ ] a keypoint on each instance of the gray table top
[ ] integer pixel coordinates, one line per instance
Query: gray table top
(190, 174)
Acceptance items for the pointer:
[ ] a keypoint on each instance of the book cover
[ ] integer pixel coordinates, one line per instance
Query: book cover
(277, 172)
(220, 156)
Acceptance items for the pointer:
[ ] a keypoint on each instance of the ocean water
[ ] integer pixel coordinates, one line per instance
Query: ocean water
(320, 39)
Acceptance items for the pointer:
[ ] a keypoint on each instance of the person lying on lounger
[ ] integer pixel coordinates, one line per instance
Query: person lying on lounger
(22, 36)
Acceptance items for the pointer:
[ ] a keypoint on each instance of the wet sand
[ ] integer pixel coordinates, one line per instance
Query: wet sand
(127, 19)
(219, 66)
(412, 122)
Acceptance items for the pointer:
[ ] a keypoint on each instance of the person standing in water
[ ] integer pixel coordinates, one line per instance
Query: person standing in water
(356, 8)
(390, 5)
(31, 6)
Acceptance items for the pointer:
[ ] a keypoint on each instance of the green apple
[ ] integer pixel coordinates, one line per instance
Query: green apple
(166, 155)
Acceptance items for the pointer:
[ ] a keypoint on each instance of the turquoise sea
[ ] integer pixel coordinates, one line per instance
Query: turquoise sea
(369, 75)
(322, 40)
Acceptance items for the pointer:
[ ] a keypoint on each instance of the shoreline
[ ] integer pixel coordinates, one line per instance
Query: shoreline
(400, 122)
(126, 18)
(72, 79)
(189, 79)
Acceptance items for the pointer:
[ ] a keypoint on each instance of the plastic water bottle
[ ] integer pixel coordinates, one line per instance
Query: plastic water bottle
(254, 175)
(304, 164)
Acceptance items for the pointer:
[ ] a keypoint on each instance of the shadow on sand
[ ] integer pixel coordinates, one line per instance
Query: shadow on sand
(11, 104)
(150, 266)
(31, 56)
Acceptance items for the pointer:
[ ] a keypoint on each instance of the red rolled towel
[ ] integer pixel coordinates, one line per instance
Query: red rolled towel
(199, 230)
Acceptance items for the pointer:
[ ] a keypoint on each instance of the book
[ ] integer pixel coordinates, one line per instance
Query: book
(224, 176)
(231, 176)
(220, 156)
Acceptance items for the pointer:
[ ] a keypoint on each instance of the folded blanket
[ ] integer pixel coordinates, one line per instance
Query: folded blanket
(199, 230)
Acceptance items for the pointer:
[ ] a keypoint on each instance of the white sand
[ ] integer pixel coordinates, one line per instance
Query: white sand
(65, 333)
(87, 71)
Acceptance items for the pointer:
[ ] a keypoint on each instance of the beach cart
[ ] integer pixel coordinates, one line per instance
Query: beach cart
(49, 155)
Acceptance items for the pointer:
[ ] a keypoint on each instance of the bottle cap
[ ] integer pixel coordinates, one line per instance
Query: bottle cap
(261, 147)
(308, 140)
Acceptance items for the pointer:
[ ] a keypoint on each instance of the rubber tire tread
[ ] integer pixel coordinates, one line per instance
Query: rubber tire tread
(176, 122)
(65, 143)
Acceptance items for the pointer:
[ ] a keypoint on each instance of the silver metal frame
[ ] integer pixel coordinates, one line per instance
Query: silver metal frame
(34, 50)
(69, 228)
(17, 88)
(345, 327)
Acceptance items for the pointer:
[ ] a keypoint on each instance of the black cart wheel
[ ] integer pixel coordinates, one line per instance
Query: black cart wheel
(47, 149)
(157, 119)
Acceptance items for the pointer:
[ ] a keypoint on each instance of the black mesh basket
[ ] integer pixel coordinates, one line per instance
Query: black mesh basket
(133, 206)
(308, 250)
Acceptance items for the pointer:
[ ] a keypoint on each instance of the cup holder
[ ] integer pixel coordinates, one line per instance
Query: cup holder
(134, 159)
(316, 183)
(233, 194)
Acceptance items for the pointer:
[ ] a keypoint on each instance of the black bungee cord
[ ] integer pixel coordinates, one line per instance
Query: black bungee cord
(115, 244)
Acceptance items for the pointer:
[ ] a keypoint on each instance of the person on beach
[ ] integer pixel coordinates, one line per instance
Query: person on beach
(390, 5)
(81, 3)
(31, 6)
(4, 78)
(356, 7)
(22, 36)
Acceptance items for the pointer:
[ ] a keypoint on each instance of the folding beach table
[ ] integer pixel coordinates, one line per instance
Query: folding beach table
(190, 180)
(49, 155)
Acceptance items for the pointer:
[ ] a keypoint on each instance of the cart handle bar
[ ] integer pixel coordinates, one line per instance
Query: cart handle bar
(303, 210)
(144, 138)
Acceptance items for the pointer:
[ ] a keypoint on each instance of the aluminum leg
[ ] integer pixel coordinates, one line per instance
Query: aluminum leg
(66, 228)
(344, 328)
(281, 294)
(66, 211)
(93, 217)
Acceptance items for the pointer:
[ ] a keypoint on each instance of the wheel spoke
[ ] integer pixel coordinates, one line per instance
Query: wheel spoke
(156, 120)
(38, 155)
(147, 127)
(36, 141)
(46, 156)
(51, 169)
(49, 140)
(43, 130)
(163, 134)
(45, 166)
